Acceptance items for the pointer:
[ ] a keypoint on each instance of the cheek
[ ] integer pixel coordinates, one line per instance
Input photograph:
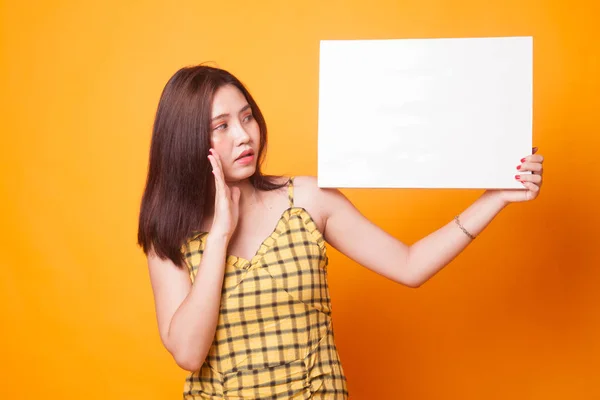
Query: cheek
(222, 151)
(219, 143)
(255, 132)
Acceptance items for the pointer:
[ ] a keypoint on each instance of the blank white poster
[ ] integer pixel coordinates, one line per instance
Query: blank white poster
(424, 113)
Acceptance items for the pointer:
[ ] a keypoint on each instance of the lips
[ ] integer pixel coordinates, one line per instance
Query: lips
(245, 153)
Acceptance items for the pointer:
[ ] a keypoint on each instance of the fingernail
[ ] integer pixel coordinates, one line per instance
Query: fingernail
(522, 159)
(518, 167)
(517, 176)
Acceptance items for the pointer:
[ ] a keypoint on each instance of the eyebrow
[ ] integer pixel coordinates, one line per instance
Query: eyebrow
(247, 106)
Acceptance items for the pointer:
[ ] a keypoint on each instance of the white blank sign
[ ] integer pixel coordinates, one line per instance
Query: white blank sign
(424, 113)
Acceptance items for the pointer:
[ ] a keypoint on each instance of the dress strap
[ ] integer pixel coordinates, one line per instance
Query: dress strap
(291, 191)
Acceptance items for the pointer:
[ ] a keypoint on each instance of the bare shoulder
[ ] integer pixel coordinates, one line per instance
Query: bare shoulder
(305, 191)
(310, 192)
(317, 201)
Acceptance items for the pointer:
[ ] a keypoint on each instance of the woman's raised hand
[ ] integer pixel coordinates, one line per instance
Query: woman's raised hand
(226, 201)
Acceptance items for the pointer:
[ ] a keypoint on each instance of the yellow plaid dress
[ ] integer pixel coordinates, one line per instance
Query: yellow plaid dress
(274, 337)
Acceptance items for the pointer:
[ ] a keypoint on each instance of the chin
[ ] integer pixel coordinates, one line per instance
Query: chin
(243, 173)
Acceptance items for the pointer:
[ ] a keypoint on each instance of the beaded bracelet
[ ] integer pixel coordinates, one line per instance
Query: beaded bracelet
(463, 228)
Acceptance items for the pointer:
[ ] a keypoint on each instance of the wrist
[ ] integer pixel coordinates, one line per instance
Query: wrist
(496, 197)
(218, 238)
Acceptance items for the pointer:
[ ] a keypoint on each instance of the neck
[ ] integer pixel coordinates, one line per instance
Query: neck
(249, 196)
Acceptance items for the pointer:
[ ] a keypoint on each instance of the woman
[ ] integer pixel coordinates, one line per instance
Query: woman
(237, 259)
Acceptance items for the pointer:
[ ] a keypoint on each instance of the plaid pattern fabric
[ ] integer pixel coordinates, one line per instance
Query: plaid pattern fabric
(274, 338)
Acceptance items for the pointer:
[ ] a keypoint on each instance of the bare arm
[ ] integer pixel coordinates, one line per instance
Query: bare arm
(430, 254)
(351, 233)
(355, 236)
(187, 313)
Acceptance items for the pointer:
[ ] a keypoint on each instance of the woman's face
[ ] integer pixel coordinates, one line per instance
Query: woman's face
(235, 134)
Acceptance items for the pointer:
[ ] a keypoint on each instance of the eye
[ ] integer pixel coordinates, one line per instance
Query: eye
(220, 127)
(248, 118)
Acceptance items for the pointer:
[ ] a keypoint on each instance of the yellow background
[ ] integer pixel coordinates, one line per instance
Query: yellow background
(514, 317)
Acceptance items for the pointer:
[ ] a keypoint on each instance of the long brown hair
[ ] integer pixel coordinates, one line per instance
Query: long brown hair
(180, 184)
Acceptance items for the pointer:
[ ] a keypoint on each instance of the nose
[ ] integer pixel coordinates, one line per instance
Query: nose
(241, 136)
